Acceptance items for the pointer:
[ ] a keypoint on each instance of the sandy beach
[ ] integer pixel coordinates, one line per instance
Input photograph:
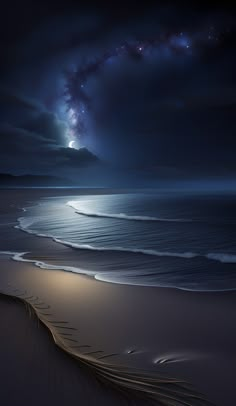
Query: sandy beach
(117, 203)
(180, 334)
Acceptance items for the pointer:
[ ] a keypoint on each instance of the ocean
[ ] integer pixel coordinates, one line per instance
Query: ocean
(147, 238)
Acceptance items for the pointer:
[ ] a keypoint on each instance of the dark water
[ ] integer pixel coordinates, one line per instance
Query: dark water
(154, 239)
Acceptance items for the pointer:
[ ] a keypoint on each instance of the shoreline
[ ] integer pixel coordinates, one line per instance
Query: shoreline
(188, 337)
(19, 257)
(29, 256)
(179, 333)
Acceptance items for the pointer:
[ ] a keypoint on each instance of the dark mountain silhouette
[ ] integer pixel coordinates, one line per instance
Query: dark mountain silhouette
(8, 180)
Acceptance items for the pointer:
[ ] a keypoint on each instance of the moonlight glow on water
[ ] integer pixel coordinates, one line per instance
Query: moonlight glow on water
(117, 165)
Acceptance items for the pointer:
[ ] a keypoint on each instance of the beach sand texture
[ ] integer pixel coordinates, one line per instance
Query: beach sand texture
(187, 336)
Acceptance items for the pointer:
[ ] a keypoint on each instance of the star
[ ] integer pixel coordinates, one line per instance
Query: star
(176, 41)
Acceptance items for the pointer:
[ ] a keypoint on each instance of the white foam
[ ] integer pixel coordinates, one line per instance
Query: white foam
(10, 253)
(25, 223)
(100, 276)
(19, 257)
(121, 216)
(131, 250)
(221, 257)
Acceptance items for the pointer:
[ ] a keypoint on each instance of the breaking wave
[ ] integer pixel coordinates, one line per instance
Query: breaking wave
(100, 276)
(220, 257)
(122, 216)
(130, 250)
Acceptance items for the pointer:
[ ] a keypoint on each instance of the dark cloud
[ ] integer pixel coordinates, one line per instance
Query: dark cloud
(10, 99)
(36, 148)
(46, 124)
(173, 111)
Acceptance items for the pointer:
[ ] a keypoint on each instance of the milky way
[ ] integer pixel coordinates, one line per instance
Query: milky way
(78, 101)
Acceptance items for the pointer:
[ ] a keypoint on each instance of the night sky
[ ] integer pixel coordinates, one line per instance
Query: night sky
(120, 93)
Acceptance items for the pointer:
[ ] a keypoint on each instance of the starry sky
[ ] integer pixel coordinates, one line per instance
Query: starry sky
(120, 93)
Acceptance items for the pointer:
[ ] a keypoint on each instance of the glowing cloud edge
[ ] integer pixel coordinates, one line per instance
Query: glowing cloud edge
(71, 144)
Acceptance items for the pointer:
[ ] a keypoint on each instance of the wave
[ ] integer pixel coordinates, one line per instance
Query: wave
(109, 277)
(19, 257)
(99, 276)
(11, 253)
(25, 223)
(220, 257)
(130, 250)
(122, 216)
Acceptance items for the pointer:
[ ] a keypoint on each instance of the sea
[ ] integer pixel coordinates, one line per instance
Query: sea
(159, 239)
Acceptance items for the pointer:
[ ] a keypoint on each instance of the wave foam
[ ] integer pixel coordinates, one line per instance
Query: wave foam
(19, 257)
(100, 276)
(130, 250)
(122, 216)
(220, 257)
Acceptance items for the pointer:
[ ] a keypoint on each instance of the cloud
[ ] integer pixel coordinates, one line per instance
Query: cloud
(170, 111)
(47, 125)
(9, 98)
(37, 147)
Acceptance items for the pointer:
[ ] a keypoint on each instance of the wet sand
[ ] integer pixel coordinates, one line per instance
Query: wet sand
(175, 333)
